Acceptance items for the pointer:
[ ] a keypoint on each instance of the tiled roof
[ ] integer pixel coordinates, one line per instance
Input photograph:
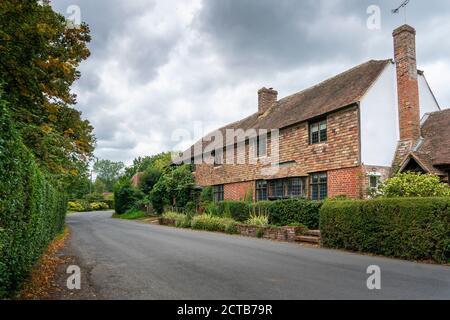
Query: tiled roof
(330, 95)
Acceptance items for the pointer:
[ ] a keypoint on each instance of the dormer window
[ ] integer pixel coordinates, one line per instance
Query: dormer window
(318, 132)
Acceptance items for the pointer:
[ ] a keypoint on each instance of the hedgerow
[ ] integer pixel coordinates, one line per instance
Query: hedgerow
(32, 210)
(408, 228)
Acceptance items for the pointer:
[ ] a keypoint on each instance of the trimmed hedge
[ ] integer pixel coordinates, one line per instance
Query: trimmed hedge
(408, 228)
(291, 211)
(236, 210)
(32, 211)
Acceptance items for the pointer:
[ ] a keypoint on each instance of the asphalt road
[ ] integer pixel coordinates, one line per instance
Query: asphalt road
(132, 260)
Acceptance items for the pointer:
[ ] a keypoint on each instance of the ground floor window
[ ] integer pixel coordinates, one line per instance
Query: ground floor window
(261, 190)
(218, 193)
(280, 189)
(319, 186)
(374, 181)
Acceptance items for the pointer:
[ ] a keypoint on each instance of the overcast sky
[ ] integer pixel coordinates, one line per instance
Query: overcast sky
(158, 66)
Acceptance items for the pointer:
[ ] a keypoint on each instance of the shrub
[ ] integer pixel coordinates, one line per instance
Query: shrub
(415, 185)
(181, 220)
(411, 228)
(213, 223)
(125, 197)
(131, 215)
(237, 210)
(94, 197)
(32, 210)
(206, 195)
(258, 220)
(286, 212)
(96, 206)
(75, 206)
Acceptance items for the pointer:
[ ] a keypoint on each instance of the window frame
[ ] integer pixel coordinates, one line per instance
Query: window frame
(322, 134)
(322, 180)
(278, 189)
(262, 187)
(219, 193)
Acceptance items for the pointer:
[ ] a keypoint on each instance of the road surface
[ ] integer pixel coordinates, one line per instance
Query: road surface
(133, 260)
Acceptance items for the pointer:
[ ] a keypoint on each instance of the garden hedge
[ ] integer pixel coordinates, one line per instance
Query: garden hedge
(291, 211)
(32, 211)
(407, 228)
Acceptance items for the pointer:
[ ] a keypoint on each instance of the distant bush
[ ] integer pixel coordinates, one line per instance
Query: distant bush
(96, 206)
(94, 197)
(75, 206)
(32, 210)
(213, 223)
(125, 197)
(415, 185)
(409, 228)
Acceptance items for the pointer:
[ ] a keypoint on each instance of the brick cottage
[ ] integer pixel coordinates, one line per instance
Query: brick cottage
(338, 138)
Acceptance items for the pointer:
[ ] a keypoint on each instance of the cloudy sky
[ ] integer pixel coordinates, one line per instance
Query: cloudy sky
(161, 67)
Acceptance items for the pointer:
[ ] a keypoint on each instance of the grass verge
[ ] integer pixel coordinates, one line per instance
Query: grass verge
(130, 215)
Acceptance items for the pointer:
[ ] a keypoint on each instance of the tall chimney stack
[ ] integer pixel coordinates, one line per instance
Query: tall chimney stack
(266, 98)
(407, 83)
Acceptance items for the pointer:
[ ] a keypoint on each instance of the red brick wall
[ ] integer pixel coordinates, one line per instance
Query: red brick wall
(340, 151)
(238, 191)
(346, 182)
(407, 84)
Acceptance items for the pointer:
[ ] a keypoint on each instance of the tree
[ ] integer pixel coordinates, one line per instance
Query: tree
(415, 185)
(39, 57)
(108, 172)
(149, 179)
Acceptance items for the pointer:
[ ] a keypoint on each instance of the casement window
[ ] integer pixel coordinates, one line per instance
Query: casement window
(218, 193)
(318, 132)
(319, 186)
(286, 188)
(218, 157)
(261, 190)
(374, 181)
(261, 146)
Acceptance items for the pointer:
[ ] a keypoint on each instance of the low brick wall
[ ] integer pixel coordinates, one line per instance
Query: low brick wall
(167, 222)
(272, 233)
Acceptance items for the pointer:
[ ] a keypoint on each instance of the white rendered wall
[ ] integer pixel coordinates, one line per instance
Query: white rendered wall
(379, 120)
(427, 101)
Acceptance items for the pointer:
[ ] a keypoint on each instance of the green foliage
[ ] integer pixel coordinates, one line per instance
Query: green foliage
(174, 188)
(213, 223)
(94, 197)
(286, 212)
(108, 172)
(415, 185)
(257, 219)
(125, 197)
(409, 228)
(32, 211)
(76, 206)
(237, 210)
(39, 57)
(181, 220)
(130, 215)
(206, 195)
(149, 179)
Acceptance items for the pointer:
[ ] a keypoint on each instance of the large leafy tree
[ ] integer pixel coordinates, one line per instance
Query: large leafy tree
(108, 172)
(39, 57)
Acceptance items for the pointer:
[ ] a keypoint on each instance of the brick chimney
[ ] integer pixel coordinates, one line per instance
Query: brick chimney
(407, 83)
(266, 98)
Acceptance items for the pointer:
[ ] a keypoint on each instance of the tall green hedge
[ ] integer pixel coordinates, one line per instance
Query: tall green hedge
(408, 228)
(32, 211)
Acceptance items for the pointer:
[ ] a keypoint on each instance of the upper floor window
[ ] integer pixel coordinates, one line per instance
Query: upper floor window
(218, 193)
(318, 132)
(261, 146)
(319, 186)
(218, 157)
